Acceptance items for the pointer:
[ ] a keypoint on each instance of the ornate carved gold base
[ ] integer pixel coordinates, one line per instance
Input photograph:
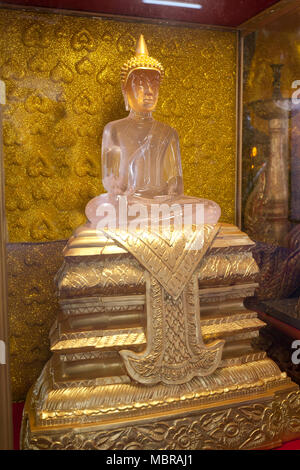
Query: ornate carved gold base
(263, 420)
(159, 356)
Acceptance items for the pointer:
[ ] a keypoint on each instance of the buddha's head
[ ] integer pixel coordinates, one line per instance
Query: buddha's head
(141, 77)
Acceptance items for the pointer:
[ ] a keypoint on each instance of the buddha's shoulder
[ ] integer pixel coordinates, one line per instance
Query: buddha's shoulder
(116, 124)
(120, 124)
(166, 128)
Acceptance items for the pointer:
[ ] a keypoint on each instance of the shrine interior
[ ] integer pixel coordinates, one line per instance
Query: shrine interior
(155, 335)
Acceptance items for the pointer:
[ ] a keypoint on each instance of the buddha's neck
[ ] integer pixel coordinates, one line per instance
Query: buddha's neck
(140, 117)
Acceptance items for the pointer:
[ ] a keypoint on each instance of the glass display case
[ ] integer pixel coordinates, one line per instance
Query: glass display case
(270, 164)
(103, 324)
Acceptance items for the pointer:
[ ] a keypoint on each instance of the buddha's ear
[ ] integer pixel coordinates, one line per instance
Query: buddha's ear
(125, 100)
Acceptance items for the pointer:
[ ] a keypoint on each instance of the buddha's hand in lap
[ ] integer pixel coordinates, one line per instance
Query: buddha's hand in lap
(114, 185)
(175, 186)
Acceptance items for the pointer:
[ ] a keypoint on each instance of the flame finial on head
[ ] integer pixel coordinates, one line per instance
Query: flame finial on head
(141, 60)
(141, 47)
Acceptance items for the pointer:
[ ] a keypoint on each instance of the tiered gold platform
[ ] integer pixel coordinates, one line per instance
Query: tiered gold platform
(137, 365)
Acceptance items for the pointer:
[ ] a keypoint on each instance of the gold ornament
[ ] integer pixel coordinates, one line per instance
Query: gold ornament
(142, 60)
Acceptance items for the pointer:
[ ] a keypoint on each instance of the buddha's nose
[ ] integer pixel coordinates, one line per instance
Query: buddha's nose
(149, 90)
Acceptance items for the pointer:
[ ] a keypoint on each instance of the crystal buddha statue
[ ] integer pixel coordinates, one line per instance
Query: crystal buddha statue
(152, 347)
(141, 156)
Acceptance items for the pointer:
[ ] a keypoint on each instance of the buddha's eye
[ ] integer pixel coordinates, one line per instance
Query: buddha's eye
(139, 82)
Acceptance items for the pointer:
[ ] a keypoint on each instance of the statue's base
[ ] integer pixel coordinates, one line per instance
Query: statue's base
(86, 399)
(239, 420)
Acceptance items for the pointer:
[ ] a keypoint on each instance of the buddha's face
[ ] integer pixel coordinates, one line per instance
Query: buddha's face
(142, 90)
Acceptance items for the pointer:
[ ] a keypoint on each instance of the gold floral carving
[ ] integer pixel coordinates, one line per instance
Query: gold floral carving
(175, 350)
(104, 276)
(245, 426)
(168, 255)
(74, 403)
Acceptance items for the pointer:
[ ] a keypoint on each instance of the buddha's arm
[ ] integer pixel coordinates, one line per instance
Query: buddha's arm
(112, 178)
(172, 166)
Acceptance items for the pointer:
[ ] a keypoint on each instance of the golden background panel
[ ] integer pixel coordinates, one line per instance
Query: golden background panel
(63, 86)
(32, 307)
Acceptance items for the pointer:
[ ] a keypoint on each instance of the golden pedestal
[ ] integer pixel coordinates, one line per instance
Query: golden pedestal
(135, 365)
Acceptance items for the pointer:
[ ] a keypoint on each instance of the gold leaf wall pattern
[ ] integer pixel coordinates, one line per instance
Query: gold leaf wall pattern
(63, 86)
(32, 307)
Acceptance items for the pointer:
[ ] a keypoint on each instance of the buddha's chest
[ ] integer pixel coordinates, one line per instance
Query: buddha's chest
(142, 141)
